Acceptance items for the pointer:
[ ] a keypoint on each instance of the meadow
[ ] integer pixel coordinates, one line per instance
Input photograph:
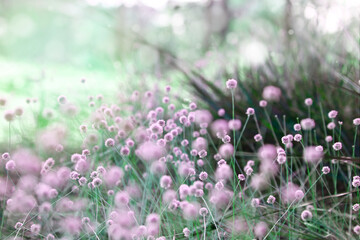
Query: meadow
(133, 131)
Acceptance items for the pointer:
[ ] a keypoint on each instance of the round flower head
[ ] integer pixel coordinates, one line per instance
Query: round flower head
(186, 232)
(285, 140)
(271, 199)
(255, 202)
(221, 112)
(281, 159)
(10, 165)
(356, 207)
(35, 229)
(357, 230)
(263, 103)
(319, 148)
(297, 137)
(62, 99)
(19, 111)
(267, 153)
(82, 181)
(260, 230)
(325, 170)
(226, 150)
(203, 211)
(331, 125)
(308, 102)
(110, 142)
(5, 156)
(121, 198)
(234, 124)
(241, 177)
(50, 237)
(250, 111)
(165, 182)
(312, 155)
(307, 124)
(356, 121)
(2, 101)
(356, 181)
(226, 139)
(167, 88)
(9, 115)
(258, 137)
(202, 153)
(97, 182)
(332, 114)
(223, 172)
(18, 225)
(306, 215)
(297, 127)
(337, 146)
(299, 194)
(231, 84)
(328, 139)
(192, 106)
(203, 176)
(271, 93)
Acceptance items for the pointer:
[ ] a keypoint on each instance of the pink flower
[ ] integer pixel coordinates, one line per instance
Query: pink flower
(260, 230)
(231, 84)
(203, 176)
(332, 114)
(224, 172)
(299, 194)
(150, 151)
(297, 127)
(263, 103)
(306, 215)
(308, 102)
(281, 159)
(250, 111)
(62, 99)
(226, 150)
(203, 116)
(5, 156)
(234, 124)
(258, 137)
(271, 93)
(271, 199)
(297, 137)
(357, 229)
(203, 211)
(10, 165)
(267, 153)
(328, 138)
(307, 124)
(109, 142)
(356, 207)
(71, 225)
(325, 170)
(241, 177)
(331, 126)
(255, 202)
(221, 112)
(186, 232)
(356, 121)
(165, 182)
(9, 115)
(311, 155)
(337, 146)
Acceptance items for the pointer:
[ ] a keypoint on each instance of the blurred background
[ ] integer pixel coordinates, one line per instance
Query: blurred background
(47, 47)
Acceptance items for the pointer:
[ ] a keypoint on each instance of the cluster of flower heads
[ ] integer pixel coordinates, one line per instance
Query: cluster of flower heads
(158, 173)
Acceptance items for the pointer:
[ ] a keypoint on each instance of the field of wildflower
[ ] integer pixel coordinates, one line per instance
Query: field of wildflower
(165, 140)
